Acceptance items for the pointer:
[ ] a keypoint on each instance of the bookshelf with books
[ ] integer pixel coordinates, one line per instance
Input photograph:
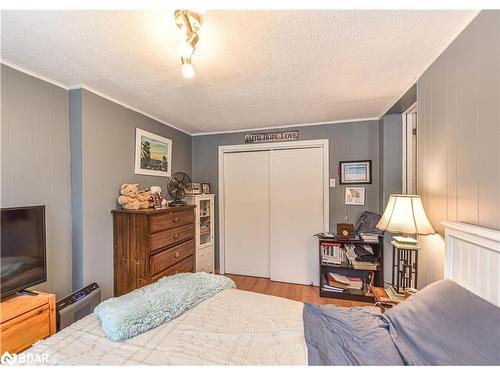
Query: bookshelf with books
(349, 266)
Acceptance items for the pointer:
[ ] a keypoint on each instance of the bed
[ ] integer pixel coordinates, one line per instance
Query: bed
(234, 327)
(445, 323)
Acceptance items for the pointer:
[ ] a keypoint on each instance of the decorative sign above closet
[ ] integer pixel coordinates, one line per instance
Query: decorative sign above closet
(291, 135)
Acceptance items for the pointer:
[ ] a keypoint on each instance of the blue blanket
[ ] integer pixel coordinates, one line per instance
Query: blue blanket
(148, 307)
(443, 324)
(347, 336)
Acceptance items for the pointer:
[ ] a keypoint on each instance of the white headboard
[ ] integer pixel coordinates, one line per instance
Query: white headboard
(473, 259)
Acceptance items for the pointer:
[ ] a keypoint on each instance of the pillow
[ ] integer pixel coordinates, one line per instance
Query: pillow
(445, 324)
(157, 303)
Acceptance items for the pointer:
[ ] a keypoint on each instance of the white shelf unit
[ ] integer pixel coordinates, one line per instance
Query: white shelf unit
(204, 227)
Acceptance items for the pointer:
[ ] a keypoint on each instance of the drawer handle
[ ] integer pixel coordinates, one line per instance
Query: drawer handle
(176, 255)
(176, 219)
(176, 235)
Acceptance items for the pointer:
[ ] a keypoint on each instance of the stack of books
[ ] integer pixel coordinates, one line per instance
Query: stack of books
(332, 253)
(369, 237)
(356, 264)
(338, 283)
(391, 292)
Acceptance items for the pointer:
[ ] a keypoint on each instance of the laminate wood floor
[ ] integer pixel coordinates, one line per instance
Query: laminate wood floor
(301, 293)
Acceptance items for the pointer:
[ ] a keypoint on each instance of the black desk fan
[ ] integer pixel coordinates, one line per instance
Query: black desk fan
(177, 186)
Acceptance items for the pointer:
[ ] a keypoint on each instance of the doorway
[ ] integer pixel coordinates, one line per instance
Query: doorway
(410, 148)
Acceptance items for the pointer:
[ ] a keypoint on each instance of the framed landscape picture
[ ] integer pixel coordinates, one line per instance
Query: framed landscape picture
(355, 172)
(153, 154)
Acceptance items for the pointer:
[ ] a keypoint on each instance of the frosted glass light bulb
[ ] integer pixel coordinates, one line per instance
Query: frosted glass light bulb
(187, 71)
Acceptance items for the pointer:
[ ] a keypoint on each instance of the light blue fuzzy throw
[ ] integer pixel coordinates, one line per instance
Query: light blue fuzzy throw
(150, 306)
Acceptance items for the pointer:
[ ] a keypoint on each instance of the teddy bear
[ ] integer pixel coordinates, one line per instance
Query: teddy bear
(144, 197)
(156, 190)
(128, 197)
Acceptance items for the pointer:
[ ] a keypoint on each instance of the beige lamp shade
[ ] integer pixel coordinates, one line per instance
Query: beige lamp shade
(405, 214)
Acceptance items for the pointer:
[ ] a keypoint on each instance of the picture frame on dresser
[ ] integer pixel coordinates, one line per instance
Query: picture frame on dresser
(205, 188)
(194, 188)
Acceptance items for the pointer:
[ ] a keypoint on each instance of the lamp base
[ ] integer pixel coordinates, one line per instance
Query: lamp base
(405, 240)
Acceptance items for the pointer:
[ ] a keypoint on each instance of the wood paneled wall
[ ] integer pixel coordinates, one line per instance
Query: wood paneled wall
(35, 164)
(459, 137)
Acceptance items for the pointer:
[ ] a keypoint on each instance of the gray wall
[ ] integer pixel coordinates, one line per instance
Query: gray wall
(75, 123)
(391, 172)
(35, 164)
(347, 141)
(459, 137)
(103, 137)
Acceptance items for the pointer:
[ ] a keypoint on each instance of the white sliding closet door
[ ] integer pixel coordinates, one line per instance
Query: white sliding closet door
(296, 214)
(246, 201)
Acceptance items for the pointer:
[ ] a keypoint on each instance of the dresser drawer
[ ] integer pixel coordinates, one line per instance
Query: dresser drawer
(165, 259)
(21, 332)
(185, 265)
(168, 220)
(171, 236)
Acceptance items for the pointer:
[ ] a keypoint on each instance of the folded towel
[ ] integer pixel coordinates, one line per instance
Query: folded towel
(150, 306)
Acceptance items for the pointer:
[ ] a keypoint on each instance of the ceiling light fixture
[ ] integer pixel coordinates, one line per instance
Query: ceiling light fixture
(189, 22)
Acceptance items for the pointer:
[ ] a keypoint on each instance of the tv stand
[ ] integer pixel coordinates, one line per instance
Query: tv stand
(25, 320)
(27, 292)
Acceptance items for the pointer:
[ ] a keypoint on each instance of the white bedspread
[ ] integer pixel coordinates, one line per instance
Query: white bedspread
(234, 327)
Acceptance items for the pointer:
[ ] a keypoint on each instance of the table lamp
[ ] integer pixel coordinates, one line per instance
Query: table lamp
(405, 214)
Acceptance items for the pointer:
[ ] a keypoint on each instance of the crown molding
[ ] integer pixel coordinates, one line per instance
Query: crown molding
(33, 74)
(88, 88)
(288, 126)
(125, 105)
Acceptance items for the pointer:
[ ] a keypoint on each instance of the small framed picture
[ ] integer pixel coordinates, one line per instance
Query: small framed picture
(205, 188)
(355, 172)
(195, 188)
(355, 196)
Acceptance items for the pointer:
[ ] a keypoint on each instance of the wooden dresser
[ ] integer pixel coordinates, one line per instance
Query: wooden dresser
(24, 320)
(150, 244)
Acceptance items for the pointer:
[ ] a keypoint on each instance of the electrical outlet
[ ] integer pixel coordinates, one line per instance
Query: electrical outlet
(332, 182)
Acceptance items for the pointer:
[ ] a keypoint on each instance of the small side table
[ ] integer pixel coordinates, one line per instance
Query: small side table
(404, 265)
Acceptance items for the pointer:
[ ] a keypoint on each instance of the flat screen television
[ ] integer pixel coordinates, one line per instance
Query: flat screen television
(22, 248)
